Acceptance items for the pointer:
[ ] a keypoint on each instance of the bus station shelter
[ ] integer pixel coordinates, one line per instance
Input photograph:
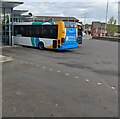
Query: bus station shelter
(7, 17)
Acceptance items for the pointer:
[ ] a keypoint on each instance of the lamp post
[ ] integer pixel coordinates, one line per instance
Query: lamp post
(119, 13)
(106, 19)
(84, 19)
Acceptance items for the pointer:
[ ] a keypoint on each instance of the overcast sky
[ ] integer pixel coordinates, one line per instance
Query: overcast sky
(86, 11)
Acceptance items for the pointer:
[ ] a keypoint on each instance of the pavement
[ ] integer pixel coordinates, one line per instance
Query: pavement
(115, 39)
(80, 82)
(5, 58)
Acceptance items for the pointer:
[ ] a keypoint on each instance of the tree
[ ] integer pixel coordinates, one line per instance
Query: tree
(111, 26)
(87, 26)
(112, 20)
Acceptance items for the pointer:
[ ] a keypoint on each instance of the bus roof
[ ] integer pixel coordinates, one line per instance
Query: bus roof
(34, 23)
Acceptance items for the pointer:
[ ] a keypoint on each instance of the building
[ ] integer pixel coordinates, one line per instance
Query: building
(27, 18)
(98, 28)
(55, 18)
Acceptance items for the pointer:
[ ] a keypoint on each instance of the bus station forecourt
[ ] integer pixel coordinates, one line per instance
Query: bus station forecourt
(81, 82)
(50, 70)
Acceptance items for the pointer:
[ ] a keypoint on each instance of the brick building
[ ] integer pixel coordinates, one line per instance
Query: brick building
(98, 28)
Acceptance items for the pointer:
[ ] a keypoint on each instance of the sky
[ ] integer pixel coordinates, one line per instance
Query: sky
(86, 11)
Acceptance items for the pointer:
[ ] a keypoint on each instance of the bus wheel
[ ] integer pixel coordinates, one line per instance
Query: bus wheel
(41, 45)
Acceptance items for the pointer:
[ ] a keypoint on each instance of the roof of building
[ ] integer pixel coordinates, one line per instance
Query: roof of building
(98, 22)
(10, 4)
(95, 21)
(55, 18)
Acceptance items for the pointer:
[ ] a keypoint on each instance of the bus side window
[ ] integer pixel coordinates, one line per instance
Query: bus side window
(17, 30)
(37, 31)
(43, 30)
(22, 30)
(27, 31)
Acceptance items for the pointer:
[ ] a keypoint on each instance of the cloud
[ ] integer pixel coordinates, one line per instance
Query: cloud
(85, 1)
(88, 11)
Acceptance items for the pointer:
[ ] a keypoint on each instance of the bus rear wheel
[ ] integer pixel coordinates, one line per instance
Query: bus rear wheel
(41, 45)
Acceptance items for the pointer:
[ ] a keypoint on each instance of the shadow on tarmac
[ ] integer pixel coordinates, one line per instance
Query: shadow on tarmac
(53, 50)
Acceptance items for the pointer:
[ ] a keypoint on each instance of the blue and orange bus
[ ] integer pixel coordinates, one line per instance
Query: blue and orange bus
(52, 35)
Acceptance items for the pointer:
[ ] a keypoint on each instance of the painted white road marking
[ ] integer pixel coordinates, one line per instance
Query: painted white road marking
(14, 109)
(66, 74)
(58, 71)
(17, 93)
(113, 87)
(87, 80)
(26, 63)
(56, 104)
(76, 77)
(99, 83)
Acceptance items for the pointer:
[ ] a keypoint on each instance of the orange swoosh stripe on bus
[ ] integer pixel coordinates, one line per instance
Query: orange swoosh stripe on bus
(50, 47)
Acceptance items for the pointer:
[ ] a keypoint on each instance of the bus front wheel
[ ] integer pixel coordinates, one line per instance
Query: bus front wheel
(41, 45)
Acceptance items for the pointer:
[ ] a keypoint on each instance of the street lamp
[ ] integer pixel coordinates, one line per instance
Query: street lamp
(84, 19)
(106, 19)
(119, 12)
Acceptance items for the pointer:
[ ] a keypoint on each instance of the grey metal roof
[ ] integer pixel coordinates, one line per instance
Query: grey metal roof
(10, 4)
(19, 12)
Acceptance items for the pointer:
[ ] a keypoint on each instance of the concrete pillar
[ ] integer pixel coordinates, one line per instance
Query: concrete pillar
(10, 29)
(1, 23)
(0, 62)
(12, 42)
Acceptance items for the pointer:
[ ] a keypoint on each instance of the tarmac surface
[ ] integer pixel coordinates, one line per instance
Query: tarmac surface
(80, 82)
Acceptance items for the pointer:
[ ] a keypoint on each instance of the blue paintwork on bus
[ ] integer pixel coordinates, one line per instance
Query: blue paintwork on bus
(70, 41)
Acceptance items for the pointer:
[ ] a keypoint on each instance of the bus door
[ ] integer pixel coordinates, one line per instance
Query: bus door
(80, 34)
